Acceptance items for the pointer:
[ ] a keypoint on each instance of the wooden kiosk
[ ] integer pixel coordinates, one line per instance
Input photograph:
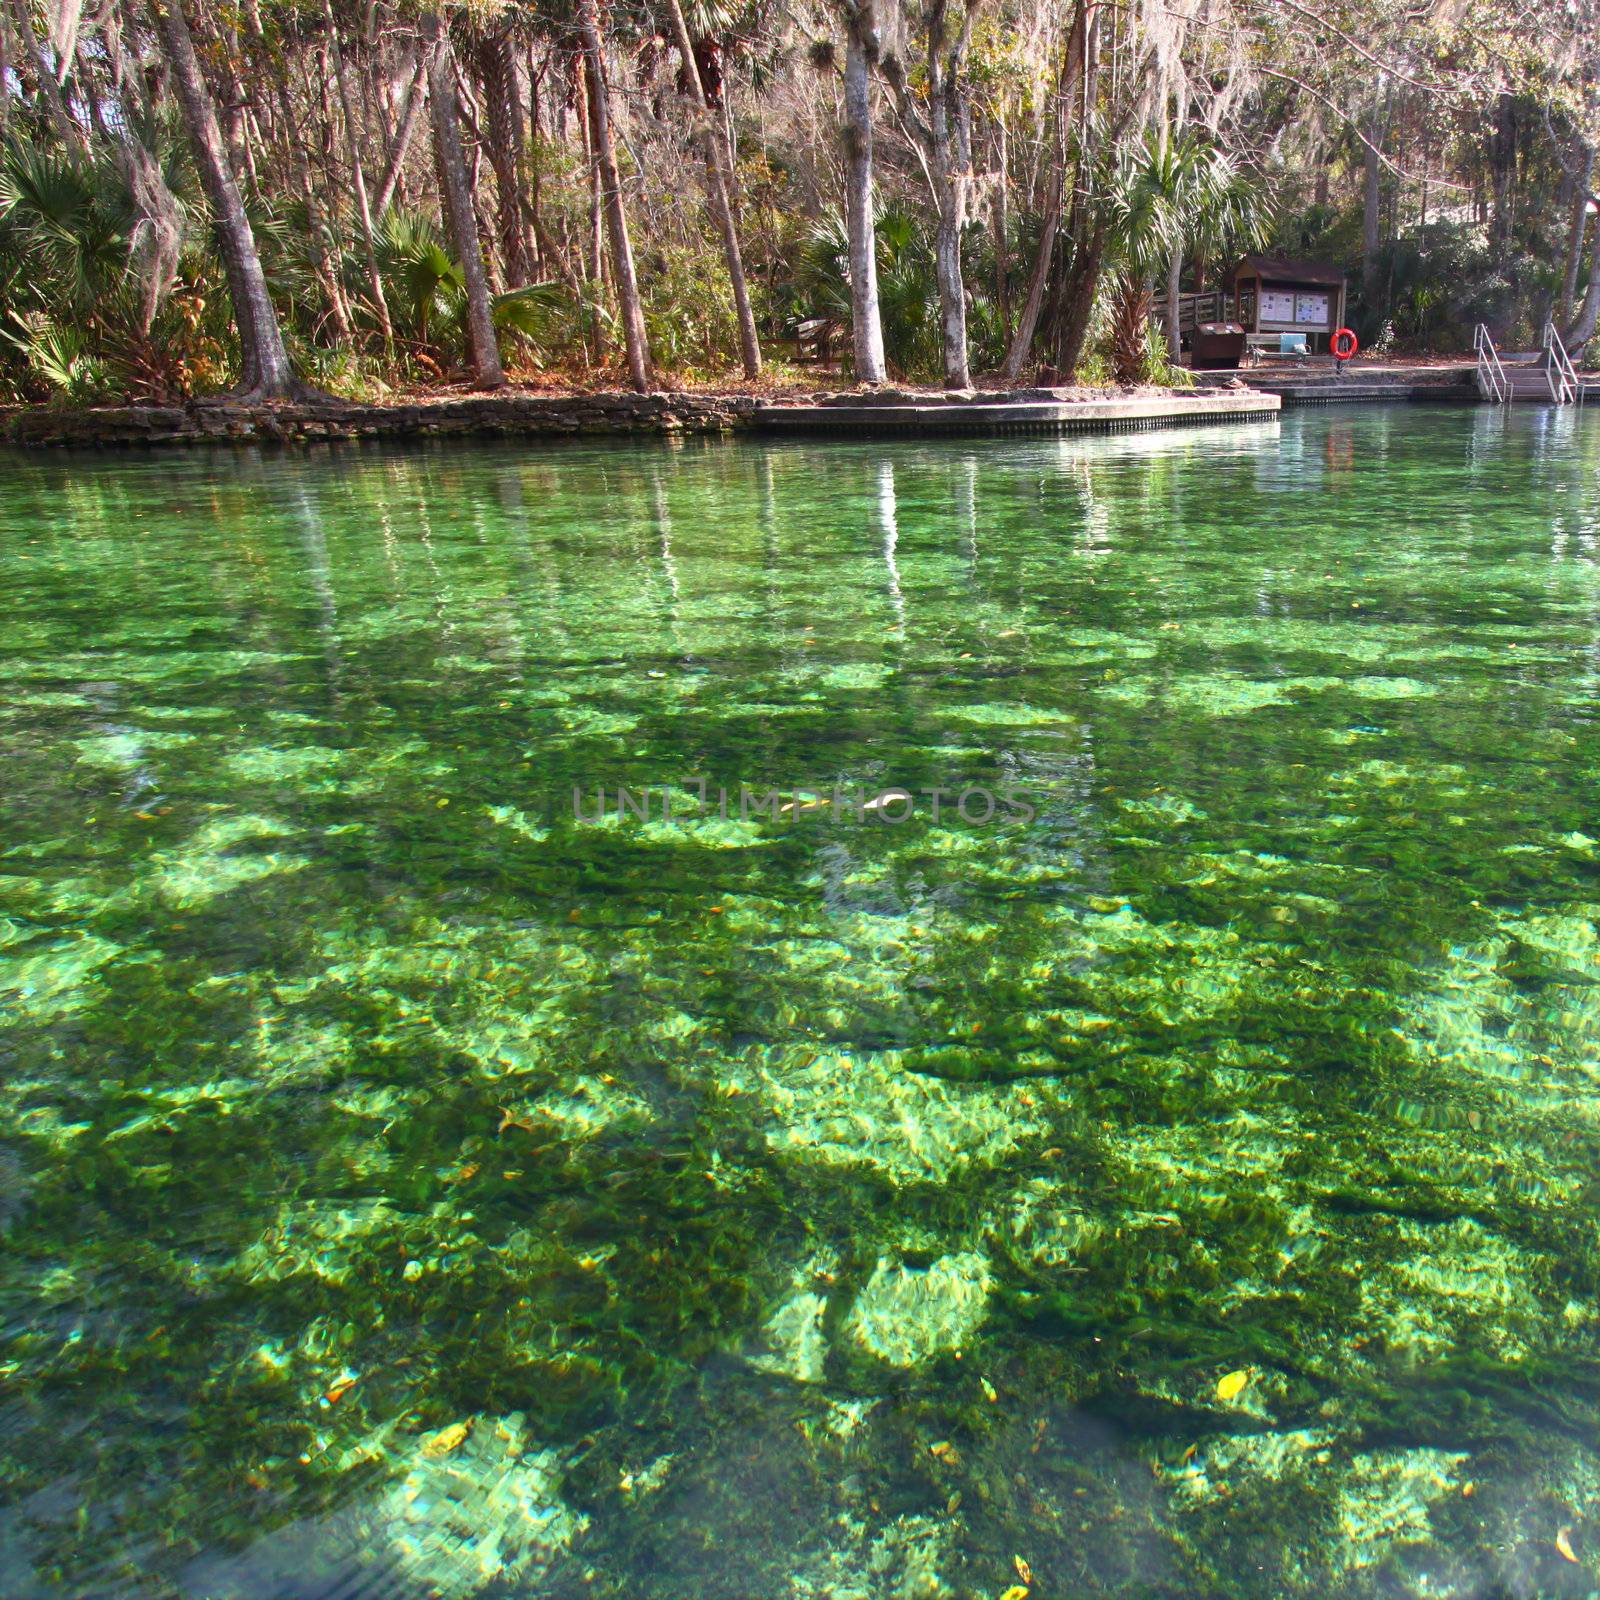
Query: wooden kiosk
(1275, 295)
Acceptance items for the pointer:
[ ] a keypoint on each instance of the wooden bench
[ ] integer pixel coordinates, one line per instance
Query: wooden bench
(1259, 345)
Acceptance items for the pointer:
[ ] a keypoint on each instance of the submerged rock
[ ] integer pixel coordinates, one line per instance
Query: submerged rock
(1385, 1501)
(486, 1512)
(1356, 1508)
(477, 1511)
(16, 1185)
(906, 1314)
(792, 1339)
(865, 1108)
(901, 1561)
(1456, 1285)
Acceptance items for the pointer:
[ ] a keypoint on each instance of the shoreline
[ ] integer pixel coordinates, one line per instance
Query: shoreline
(533, 414)
(525, 415)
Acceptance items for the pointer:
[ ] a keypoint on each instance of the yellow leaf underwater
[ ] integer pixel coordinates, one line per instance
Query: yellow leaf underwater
(1564, 1544)
(446, 1439)
(1017, 1591)
(1232, 1386)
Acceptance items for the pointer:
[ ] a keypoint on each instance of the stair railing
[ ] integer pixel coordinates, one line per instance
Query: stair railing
(1492, 381)
(1564, 386)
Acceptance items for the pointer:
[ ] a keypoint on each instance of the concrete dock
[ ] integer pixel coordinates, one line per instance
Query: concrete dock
(1317, 382)
(1016, 411)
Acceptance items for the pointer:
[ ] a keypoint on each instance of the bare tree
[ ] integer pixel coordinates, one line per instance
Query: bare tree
(710, 141)
(409, 117)
(611, 187)
(265, 372)
(1073, 78)
(358, 177)
(861, 55)
(486, 369)
(945, 137)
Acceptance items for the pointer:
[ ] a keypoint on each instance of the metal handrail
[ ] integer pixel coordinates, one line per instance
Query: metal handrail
(1491, 374)
(1564, 386)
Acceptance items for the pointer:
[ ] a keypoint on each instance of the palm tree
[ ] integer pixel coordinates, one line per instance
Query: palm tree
(68, 221)
(904, 263)
(1174, 196)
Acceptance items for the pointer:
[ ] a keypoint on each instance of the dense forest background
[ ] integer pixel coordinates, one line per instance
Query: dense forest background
(364, 197)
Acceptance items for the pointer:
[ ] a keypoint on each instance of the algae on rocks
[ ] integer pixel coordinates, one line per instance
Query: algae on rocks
(1187, 1191)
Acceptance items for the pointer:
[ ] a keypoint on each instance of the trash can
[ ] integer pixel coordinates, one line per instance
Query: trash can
(1217, 346)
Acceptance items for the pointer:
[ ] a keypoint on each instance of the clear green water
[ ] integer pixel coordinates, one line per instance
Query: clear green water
(411, 1190)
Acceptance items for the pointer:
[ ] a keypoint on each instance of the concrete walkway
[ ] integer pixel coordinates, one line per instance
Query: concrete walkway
(1008, 411)
(1316, 382)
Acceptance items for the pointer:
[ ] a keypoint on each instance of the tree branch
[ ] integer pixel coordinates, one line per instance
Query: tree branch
(1355, 127)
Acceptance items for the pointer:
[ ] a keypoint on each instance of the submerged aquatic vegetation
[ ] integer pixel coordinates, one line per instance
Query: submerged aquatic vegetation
(408, 1187)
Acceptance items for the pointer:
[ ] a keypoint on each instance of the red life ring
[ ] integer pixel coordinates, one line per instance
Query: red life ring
(1343, 345)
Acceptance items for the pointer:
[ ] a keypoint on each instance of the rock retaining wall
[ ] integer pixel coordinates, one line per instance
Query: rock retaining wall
(904, 412)
(524, 415)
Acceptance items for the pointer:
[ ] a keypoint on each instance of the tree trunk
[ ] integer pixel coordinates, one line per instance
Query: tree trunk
(1075, 65)
(1502, 172)
(731, 146)
(497, 72)
(486, 370)
(294, 146)
(471, 114)
(1002, 229)
(1130, 320)
(717, 194)
(1077, 301)
(1583, 330)
(611, 180)
(409, 118)
(264, 362)
(230, 101)
(358, 177)
(1371, 219)
(597, 211)
(533, 158)
(952, 166)
(6, 70)
(1174, 333)
(952, 296)
(944, 139)
(861, 52)
(1038, 280)
(1575, 235)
